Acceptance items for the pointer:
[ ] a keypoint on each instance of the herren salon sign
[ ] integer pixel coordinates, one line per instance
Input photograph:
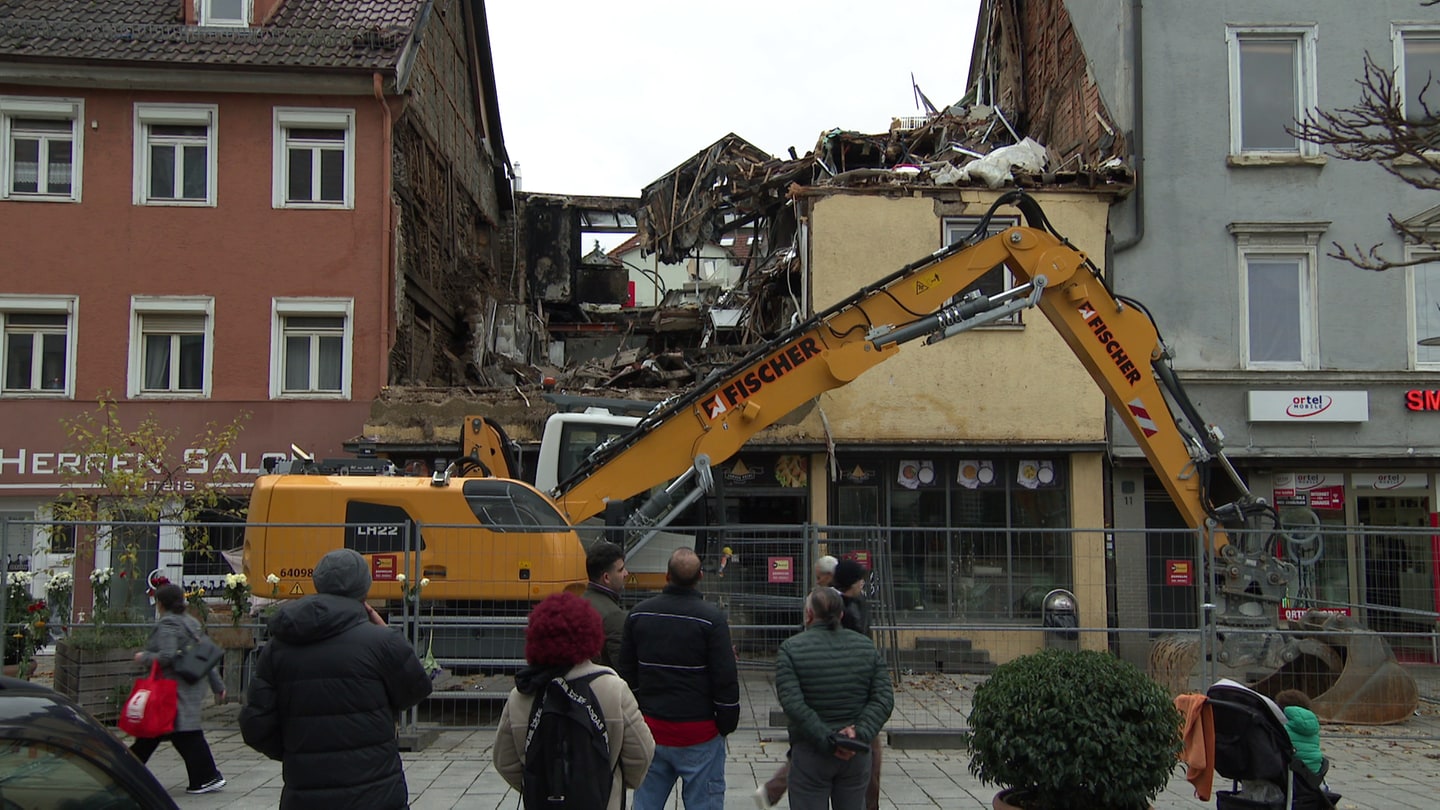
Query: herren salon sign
(48, 466)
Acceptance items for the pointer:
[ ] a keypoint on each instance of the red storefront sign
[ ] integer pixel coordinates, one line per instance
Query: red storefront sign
(781, 569)
(1295, 614)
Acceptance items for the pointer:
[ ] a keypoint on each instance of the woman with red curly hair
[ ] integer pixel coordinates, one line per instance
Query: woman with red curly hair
(564, 632)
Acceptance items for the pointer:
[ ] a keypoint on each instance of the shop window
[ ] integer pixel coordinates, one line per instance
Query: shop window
(1012, 544)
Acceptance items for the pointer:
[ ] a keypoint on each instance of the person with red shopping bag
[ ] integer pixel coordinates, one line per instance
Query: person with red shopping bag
(174, 631)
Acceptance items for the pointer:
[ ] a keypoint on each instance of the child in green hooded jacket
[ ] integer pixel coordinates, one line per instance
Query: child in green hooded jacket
(1303, 727)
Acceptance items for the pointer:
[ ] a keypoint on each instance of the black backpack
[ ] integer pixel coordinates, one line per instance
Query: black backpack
(567, 749)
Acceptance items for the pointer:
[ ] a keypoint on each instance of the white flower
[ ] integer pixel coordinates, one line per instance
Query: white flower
(23, 578)
(241, 579)
(272, 579)
(100, 576)
(61, 581)
(400, 578)
(424, 581)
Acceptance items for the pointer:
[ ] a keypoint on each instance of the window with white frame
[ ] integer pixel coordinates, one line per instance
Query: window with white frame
(37, 344)
(1272, 85)
(1417, 74)
(1278, 292)
(225, 12)
(175, 154)
(1425, 311)
(311, 347)
(42, 142)
(997, 279)
(314, 158)
(171, 341)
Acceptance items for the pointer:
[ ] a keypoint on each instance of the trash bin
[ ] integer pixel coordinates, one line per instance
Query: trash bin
(1061, 618)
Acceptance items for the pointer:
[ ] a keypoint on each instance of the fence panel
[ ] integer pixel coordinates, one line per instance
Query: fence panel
(947, 605)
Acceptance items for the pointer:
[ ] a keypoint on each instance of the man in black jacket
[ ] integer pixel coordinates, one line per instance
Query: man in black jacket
(676, 655)
(326, 691)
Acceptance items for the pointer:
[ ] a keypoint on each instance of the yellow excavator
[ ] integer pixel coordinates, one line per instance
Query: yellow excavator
(486, 538)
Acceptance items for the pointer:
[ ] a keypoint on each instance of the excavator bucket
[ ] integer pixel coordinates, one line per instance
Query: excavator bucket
(1350, 674)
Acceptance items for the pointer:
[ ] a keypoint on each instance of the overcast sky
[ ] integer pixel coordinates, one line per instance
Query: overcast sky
(604, 98)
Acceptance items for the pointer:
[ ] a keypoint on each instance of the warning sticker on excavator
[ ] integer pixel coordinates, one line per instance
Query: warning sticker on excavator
(296, 590)
(923, 285)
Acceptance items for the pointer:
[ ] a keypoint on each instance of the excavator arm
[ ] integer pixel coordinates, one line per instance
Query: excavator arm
(1116, 342)
(1357, 679)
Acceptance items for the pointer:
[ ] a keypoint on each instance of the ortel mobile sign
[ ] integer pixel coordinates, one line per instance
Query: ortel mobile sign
(1309, 406)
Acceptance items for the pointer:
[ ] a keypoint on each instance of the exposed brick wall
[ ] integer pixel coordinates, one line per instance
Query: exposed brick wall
(444, 189)
(1044, 85)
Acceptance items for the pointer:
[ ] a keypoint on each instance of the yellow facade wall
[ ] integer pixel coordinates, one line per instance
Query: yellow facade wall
(996, 384)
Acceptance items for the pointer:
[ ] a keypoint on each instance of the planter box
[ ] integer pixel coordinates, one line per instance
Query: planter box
(232, 638)
(237, 641)
(95, 677)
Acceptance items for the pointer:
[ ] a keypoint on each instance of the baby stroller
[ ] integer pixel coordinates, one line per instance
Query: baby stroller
(1254, 752)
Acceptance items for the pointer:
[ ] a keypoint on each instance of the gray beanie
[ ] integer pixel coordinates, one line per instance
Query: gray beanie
(343, 572)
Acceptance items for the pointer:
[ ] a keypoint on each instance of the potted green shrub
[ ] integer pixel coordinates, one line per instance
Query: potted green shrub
(1073, 730)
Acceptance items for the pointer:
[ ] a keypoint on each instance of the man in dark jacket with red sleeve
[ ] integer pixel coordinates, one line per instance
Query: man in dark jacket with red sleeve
(676, 655)
(326, 692)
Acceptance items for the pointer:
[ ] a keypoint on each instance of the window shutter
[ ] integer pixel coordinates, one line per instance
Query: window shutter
(172, 323)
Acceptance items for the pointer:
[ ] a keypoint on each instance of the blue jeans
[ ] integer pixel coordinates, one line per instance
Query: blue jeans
(700, 769)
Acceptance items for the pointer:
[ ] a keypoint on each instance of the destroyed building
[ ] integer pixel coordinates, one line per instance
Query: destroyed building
(574, 327)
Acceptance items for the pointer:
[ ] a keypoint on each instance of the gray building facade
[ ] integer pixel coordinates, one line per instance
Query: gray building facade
(1323, 376)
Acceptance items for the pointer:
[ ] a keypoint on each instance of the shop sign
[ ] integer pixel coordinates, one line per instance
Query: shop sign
(1309, 406)
(1422, 400)
(860, 474)
(1295, 614)
(862, 557)
(1395, 480)
(742, 473)
(1315, 490)
(916, 473)
(54, 467)
(976, 473)
(781, 570)
(1179, 572)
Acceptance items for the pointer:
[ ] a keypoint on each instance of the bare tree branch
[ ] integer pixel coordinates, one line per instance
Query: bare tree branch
(1376, 130)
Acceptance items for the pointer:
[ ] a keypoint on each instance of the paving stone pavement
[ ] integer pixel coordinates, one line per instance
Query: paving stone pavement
(1388, 768)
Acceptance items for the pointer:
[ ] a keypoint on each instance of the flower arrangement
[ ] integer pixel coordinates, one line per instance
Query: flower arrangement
(57, 592)
(274, 581)
(26, 617)
(237, 593)
(411, 591)
(157, 581)
(100, 587)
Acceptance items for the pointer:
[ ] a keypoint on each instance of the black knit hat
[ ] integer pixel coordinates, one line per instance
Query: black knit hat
(847, 573)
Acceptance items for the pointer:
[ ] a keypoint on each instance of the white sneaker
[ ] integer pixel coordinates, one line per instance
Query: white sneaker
(213, 785)
(762, 799)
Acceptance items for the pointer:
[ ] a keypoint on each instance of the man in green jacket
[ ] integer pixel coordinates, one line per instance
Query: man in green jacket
(831, 683)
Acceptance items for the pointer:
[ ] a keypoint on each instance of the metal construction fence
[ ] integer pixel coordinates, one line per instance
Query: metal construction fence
(947, 605)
